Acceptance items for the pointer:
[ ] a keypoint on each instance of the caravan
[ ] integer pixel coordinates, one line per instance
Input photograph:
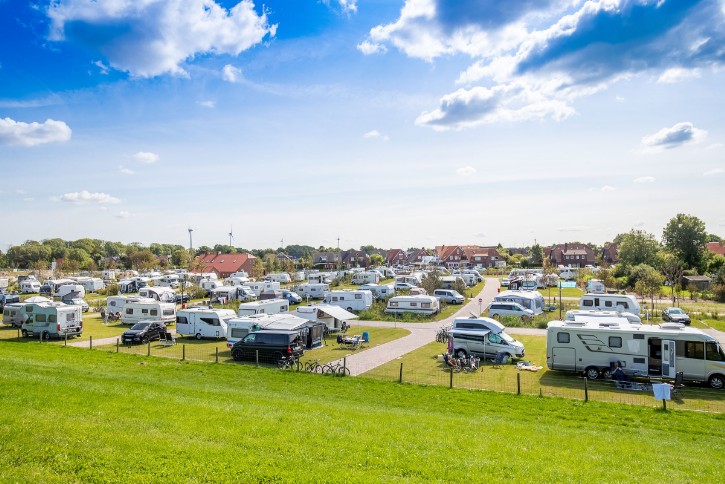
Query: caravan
(30, 286)
(14, 314)
(380, 291)
(648, 350)
(352, 300)
(70, 291)
(224, 294)
(610, 302)
(312, 291)
(52, 320)
(260, 286)
(413, 304)
(282, 278)
(91, 284)
(266, 306)
(144, 309)
(203, 322)
(369, 277)
(532, 300)
(160, 293)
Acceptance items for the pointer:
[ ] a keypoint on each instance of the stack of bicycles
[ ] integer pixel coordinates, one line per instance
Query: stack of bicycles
(443, 334)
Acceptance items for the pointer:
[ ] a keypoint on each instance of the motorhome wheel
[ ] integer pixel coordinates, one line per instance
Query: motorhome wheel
(592, 373)
(197, 336)
(460, 353)
(607, 374)
(717, 382)
(25, 333)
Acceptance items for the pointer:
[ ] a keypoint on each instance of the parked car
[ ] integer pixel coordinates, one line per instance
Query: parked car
(504, 308)
(270, 345)
(143, 332)
(77, 301)
(6, 298)
(449, 296)
(676, 315)
(404, 286)
(179, 299)
(291, 297)
(46, 290)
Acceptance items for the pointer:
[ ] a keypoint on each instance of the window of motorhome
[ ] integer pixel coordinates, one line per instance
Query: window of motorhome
(112, 303)
(588, 303)
(638, 336)
(129, 311)
(52, 318)
(562, 337)
(623, 304)
(358, 296)
(713, 352)
(168, 312)
(694, 350)
(154, 312)
(181, 320)
(239, 332)
(144, 311)
(28, 309)
(608, 304)
(211, 321)
(40, 318)
(413, 304)
(615, 341)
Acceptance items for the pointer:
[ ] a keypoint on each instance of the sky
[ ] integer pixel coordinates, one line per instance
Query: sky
(397, 123)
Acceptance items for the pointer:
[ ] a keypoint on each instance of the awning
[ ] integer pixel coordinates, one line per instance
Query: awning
(337, 312)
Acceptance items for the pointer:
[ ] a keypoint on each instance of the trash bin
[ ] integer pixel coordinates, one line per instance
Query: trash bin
(365, 337)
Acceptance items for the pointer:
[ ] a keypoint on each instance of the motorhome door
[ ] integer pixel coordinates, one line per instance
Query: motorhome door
(669, 366)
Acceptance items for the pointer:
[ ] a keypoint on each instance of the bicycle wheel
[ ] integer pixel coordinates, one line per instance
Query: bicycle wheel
(282, 364)
(326, 369)
(342, 371)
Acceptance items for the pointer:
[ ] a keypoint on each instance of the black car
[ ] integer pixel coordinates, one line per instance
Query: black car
(46, 290)
(271, 346)
(143, 332)
(179, 299)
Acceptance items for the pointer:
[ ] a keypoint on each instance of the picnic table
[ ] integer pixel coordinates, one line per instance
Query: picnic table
(350, 342)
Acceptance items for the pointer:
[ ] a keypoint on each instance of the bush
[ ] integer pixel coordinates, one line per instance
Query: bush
(718, 291)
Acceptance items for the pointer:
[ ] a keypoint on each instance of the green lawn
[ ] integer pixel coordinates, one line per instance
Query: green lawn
(553, 292)
(74, 415)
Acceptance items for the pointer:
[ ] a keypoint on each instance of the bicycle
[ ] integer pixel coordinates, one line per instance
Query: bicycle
(337, 369)
(313, 366)
(442, 334)
(286, 362)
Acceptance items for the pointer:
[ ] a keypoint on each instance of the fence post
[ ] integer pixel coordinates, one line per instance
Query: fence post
(400, 377)
(344, 365)
(117, 344)
(148, 348)
(664, 404)
(40, 338)
(18, 333)
(586, 389)
(541, 395)
(66, 339)
(450, 384)
(183, 352)
(217, 354)
(90, 347)
(256, 357)
(518, 383)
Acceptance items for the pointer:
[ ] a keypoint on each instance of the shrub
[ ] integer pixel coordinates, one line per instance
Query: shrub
(718, 291)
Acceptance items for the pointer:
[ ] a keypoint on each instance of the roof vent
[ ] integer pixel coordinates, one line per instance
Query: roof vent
(672, 326)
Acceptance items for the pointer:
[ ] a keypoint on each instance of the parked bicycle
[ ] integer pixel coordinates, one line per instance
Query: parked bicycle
(313, 366)
(287, 362)
(337, 369)
(442, 334)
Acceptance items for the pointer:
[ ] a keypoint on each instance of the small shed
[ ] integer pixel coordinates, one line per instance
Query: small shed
(702, 283)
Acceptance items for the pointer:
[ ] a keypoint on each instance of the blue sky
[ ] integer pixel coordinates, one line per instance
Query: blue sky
(395, 123)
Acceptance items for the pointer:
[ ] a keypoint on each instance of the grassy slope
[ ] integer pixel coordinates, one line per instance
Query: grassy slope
(79, 415)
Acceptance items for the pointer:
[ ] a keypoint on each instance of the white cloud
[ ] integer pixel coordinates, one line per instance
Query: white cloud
(147, 38)
(375, 134)
(678, 74)
(126, 171)
(645, 179)
(619, 99)
(146, 157)
(103, 68)
(715, 146)
(348, 6)
(123, 214)
(207, 104)
(21, 192)
(607, 188)
(86, 196)
(231, 73)
(18, 133)
(368, 48)
(713, 172)
(677, 135)
(466, 171)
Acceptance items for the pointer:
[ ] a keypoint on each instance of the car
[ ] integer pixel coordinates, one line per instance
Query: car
(269, 346)
(6, 298)
(675, 315)
(449, 296)
(291, 297)
(143, 332)
(404, 286)
(46, 290)
(504, 308)
(76, 301)
(182, 299)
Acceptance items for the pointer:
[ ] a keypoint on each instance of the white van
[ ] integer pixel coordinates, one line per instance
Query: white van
(413, 304)
(484, 337)
(312, 291)
(610, 302)
(266, 306)
(203, 322)
(142, 309)
(450, 296)
(352, 300)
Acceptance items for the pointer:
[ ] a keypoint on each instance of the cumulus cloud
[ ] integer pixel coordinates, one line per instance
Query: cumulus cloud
(677, 135)
(368, 48)
(207, 104)
(123, 214)
(466, 171)
(645, 179)
(126, 171)
(375, 134)
(347, 7)
(147, 38)
(713, 172)
(146, 157)
(231, 73)
(86, 196)
(678, 74)
(18, 133)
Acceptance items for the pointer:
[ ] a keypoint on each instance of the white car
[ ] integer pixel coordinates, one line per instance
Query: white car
(504, 308)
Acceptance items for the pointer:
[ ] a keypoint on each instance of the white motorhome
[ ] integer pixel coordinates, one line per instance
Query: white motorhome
(299, 276)
(238, 328)
(528, 299)
(596, 286)
(4, 282)
(236, 281)
(387, 272)
(368, 277)
(140, 309)
(70, 291)
(91, 284)
(52, 320)
(610, 302)
(266, 306)
(380, 291)
(319, 278)
(409, 279)
(165, 294)
(595, 315)
(333, 317)
(350, 299)
(203, 322)
(210, 284)
(227, 293)
(649, 350)
(259, 287)
(168, 280)
(468, 278)
(568, 273)
(413, 304)
(483, 337)
(282, 278)
(29, 286)
(14, 314)
(312, 291)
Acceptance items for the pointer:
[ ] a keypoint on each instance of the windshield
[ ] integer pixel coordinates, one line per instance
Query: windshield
(506, 337)
(140, 326)
(676, 311)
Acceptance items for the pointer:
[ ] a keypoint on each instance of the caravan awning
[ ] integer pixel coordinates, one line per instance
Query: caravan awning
(337, 312)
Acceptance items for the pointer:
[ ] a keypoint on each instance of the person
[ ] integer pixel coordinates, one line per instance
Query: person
(618, 373)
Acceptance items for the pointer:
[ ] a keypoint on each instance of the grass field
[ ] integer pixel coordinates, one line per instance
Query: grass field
(75, 415)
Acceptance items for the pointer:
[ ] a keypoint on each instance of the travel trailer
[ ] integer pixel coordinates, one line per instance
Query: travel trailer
(52, 320)
(116, 304)
(648, 350)
(528, 299)
(225, 294)
(91, 284)
(282, 278)
(259, 287)
(140, 309)
(595, 315)
(319, 278)
(267, 306)
(596, 286)
(368, 277)
(413, 304)
(70, 291)
(236, 281)
(312, 290)
(30, 286)
(210, 284)
(14, 314)
(333, 317)
(203, 322)
(350, 299)
(380, 291)
(165, 294)
(168, 280)
(483, 337)
(610, 302)
(238, 328)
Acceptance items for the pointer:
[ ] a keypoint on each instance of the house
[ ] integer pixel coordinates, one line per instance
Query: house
(610, 254)
(395, 257)
(327, 260)
(572, 254)
(355, 258)
(716, 247)
(418, 256)
(702, 283)
(451, 256)
(481, 256)
(224, 265)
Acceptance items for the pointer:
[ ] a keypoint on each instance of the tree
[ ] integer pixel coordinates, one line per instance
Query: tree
(685, 236)
(647, 281)
(257, 268)
(142, 260)
(180, 258)
(536, 254)
(671, 267)
(377, 260)
(638, 247)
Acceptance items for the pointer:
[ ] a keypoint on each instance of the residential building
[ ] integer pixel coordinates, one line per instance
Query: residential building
(610, 254)
(396, 257)
(225, 265)
(572, 254)
(716, 247)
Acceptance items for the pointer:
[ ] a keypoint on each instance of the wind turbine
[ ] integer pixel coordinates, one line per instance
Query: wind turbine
(231, 237)
(190, 244)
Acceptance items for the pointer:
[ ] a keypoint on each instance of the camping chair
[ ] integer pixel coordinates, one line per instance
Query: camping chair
(365, 338)
(500, 359)
(167, 339)
(679, 376)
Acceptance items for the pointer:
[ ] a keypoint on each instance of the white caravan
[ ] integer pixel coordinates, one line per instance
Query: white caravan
(52, 320)
(596, 286)
(594, 315)
(91, 284)
(236, 281)
(29, 286)
(380, 291)
(610, 302)
(260, 286)
(238, 328)
(210, 284)
(369, 277)
(169, 280)
(14, 314)
(350, 299)
(281, 277)
(483, 337)
(414, 279)
(140, 309)
(267, 306)
(333, 317)
(164, 294)
(568, 273)
(70, 291)
(387, 272)
(319, 278)
(649, 350)
(413, 304)
(224, 294)
(203, 322)
(528, 299)
(312, 291)
(116, 304)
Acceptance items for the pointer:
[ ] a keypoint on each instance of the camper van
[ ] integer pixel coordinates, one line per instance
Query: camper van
(282, 278)
(267, 306)
(259, 287)
(368, 277)
(528, 299)
(203, 322)
(14, 314)
(312, 291)
(350, 299)
(238, 328)
(483, 337)
(648, 350)
(165, 294)
(380, 291)
(52, 320)
(595, 315)
(413, 304)
(140, 309)
(333, 317)
(30, 286)
(610, 302)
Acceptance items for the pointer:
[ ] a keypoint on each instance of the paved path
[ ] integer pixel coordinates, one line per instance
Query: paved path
(96, 342)
(420, 333)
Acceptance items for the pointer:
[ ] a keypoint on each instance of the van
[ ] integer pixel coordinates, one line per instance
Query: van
(497, 309)
(483, 337)
(450, 296)
(269, 346)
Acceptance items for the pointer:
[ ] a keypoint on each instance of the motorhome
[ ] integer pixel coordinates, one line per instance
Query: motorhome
(610, 302)
(281, 277)
(413, 304)
(30, 286)
(267, 306)
(14, 314)
(168, 280)
(596, 286)
(319, 278)
(210, 284)
(596, 315)
(483, 337)
(4, 283)
(568, 273)
(139, 309)
(350, 299)
(236, 281)
(312, 290)
(368, 277)
(70, 291)
(333, 317)
(224, 294)
(380, 291)
(387, 272)
(203, 322)
(469, 279)
(91, 284)
(238, 328)
(116, 304)
(528, 299)
(165, 294)
(648, 350)
(408, 279)
(259, 287)
(299, 276)
(52, 320)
